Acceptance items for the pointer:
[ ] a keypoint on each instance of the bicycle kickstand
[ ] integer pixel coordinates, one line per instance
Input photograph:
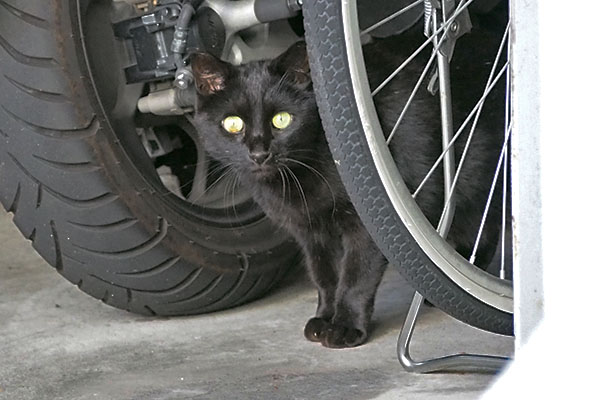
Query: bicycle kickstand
(450, 362)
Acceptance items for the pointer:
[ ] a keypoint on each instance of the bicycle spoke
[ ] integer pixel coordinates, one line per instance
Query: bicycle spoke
(491, 193)
(474, 125)
(412, 95)
(391, 17)
(503, 229)
(443, 3)
(414, 91)
(443, 27)
(461, 129)
(505, 168)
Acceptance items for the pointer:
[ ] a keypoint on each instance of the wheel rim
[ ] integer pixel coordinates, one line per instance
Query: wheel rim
(485, 287)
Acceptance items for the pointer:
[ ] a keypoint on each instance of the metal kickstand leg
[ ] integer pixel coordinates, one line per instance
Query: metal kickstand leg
(455, 361)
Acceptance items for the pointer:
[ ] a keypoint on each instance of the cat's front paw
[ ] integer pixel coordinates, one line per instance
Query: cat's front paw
(339, 337)
(315, 329)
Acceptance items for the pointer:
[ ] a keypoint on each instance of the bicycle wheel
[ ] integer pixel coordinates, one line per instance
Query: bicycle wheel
(409, 234)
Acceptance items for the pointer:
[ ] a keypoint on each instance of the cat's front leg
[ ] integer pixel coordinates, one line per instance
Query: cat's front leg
(320, 263)
(361, 270)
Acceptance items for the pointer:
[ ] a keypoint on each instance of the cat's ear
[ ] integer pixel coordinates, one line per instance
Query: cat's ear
(293, 64)
(210, 73)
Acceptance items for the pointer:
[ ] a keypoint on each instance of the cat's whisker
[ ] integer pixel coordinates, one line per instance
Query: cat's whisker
(193, 166)
(318, 174)
(233, 186)
(217, 170)
(228, 170)
(228, 188)
(212, 171)
(302, 150)
(288, 184)
(224, 172)
(315, 159)
(169, 192)
(282, 186)
(302, 194)
(283, 78)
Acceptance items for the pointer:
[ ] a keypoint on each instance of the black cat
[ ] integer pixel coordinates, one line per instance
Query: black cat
(262, 120)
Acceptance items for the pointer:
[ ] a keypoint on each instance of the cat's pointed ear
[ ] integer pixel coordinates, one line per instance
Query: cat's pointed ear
(210, 73)
(293, 64)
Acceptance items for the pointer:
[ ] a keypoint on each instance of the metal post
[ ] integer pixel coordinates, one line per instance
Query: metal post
(525, 170)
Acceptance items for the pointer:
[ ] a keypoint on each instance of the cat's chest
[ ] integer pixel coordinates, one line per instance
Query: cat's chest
(295, 206)
(287, 206)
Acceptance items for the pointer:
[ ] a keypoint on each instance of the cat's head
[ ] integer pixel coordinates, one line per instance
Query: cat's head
(258, 116)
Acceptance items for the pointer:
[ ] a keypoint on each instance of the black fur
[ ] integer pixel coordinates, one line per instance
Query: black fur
(299, 188)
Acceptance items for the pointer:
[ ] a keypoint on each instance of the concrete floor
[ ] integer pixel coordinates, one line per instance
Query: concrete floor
(58, 343)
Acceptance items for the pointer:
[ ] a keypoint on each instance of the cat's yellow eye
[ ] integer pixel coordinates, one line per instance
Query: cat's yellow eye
(282, 120)
(233, 124)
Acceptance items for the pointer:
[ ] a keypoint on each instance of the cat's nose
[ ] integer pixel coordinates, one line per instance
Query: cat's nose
(260, 157)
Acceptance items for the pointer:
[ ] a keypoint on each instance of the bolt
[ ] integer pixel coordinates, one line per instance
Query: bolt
(183, 78)
(454, 27)
(181, 81)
